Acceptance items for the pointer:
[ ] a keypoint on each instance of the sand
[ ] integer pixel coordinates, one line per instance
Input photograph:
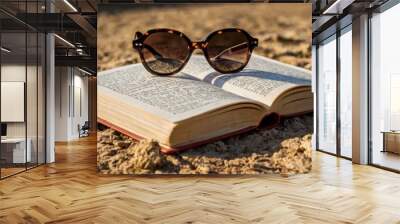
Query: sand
(283, 30)
(285, 149)
(284, 33)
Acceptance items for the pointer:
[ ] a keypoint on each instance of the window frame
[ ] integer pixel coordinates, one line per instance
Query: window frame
(338, 33)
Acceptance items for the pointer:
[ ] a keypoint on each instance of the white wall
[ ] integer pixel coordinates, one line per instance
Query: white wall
(70, 83)
(12, 73)
(62, 81)
(33, 126)
(79, 117)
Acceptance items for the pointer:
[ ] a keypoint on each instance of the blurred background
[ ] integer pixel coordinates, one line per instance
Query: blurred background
(283, 30)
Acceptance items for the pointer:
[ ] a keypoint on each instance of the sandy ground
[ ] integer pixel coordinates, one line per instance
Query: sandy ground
(285, 149)
(284, 33)
(283, 30)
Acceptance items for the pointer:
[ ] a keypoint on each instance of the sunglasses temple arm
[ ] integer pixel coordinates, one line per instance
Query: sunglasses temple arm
(236, 47)
(254, 42)
(138, 35)
(153, 51)
(137, 43)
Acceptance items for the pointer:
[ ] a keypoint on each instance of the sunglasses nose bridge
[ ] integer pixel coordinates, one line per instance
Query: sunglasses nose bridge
(199, 45)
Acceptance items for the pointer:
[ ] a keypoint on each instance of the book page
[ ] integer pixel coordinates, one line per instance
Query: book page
(174, 98)
(262, 80)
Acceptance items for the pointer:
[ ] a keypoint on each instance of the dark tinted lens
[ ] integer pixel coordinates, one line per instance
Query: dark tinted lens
(228, 51)
(165, 52)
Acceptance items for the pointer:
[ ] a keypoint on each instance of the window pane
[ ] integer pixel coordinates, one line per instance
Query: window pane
(32, 88)
(31, 98)
(385, 84)
(346, 93)
(14, 153)
(22, 88)
(327, 96)
(41, 98)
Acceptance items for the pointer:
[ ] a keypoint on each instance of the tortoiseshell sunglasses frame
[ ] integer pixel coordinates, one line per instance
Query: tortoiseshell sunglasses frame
(139, 39)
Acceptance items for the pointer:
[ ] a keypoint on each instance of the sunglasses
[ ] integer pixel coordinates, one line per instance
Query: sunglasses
(165, 52)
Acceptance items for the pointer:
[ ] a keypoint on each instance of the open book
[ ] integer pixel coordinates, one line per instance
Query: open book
(199, 105)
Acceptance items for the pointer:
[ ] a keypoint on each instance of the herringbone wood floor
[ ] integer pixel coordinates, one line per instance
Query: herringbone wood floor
(70, 191)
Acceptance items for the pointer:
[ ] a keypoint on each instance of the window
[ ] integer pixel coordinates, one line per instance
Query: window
(346, 75)
(15, 149)
(22, 88)
(327, 95)
(385, 89)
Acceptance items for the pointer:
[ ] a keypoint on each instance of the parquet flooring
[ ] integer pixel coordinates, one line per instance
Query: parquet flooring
(11, 170)
(70, 191)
